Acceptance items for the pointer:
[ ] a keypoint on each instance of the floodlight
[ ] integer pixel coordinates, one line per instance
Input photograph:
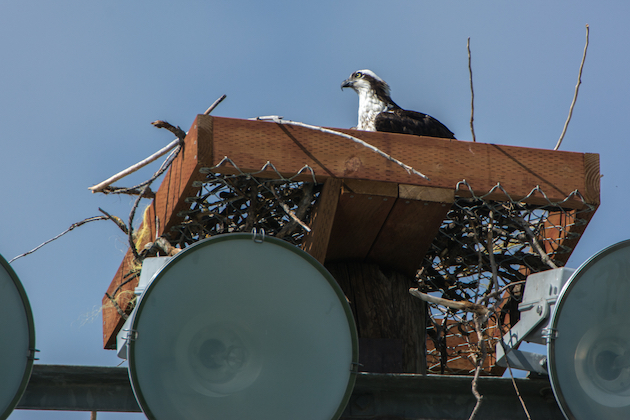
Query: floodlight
(587, 332)
(18, 339)
(242, 326)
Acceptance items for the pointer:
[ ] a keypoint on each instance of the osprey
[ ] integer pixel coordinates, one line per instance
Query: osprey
(377, 111)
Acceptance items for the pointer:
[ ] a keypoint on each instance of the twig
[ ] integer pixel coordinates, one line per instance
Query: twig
(534, 243)
(116, 220)
(128, 191)
(120, 311)
(408, 168)
(498, 292)
(177, 131)
(74, 225)
(577, 87)
(214, 105)
(460, 306)
(490, 247)
(127, 278)
(480, 359)
(303, 205)
(290, 213)
(153, 157)
(98, 187)
(507, 362)
(472, 94)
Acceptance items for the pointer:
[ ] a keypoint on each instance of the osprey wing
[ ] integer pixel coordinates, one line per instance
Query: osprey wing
(411, 122)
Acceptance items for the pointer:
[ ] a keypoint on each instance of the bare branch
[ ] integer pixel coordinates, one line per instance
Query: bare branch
(577, 87)
(153, 157)
(118, 309)
(177, 131)
(74, 225)
(128, 191)
(134, 168)
(214, 105)
(490, 248)
(407, 168)
(116, 220)
(472, 94)
(460, 306)
(534, 243)
(481, 357)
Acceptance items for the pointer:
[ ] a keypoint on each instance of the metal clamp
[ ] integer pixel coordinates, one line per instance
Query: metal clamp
(132, 335)
(549, 334)
(31, 354)
(258, 237)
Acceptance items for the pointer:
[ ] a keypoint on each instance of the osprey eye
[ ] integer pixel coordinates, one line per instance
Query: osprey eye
(358, 74)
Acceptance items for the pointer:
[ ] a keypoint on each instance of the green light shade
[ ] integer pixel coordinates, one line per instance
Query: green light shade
(237, 329)
(589, 360)
(17, 332)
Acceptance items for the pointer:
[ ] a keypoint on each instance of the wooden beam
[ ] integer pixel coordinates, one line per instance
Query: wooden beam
(161, 215)
(407, 234)
(316, 241)
(445, 162)
(361, 212)
(379, 201)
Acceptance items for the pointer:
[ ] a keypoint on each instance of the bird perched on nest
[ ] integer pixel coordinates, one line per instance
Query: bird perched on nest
(377, 111)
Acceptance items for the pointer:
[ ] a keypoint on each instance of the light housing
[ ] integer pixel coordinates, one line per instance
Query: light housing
(589, 345)
(237, 327)
(17, 330)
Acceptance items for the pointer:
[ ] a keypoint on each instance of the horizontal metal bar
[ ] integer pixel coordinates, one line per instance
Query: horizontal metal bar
(392, 396)
(401, 396)
(79, 388)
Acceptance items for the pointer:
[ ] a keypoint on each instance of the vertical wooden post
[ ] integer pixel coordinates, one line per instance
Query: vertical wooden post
(390, 322)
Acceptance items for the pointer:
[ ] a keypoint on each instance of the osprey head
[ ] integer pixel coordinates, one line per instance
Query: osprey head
(362, 80)
(365, 82)
(373, 97)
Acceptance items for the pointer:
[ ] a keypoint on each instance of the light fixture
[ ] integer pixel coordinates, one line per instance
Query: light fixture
(18, 339)
(586, 327)
(241, 326)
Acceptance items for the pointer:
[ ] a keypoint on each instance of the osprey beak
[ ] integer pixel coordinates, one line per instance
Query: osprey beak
(347, 84)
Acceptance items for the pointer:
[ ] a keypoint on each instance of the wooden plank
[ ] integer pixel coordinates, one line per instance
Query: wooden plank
(162, 212)
(592, 177)
(359, 219)
(415, 192)
(383, 309)
(407, 234)
(316, 241)
(250, 144)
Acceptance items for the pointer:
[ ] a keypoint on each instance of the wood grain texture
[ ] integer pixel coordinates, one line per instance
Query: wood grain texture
(384, 309)
(316, 241)
(407, 234)
(592, 178)
(250, 144)
(358, 221)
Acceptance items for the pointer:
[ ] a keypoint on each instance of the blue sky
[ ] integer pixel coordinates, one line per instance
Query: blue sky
(81, 81)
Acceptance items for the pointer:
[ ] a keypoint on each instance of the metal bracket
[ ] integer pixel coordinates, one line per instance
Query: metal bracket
(258, 237)
(549, 334)
(31, 354)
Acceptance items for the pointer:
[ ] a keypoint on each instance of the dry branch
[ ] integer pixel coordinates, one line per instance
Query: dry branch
(407, 168)
(177, 131)
(577, 87)
(152, 158)
(155, 156)
(460, 306)
(74, 225)
(472, 94)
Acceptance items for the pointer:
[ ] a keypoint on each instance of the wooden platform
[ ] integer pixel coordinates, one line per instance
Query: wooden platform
(370, 208)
